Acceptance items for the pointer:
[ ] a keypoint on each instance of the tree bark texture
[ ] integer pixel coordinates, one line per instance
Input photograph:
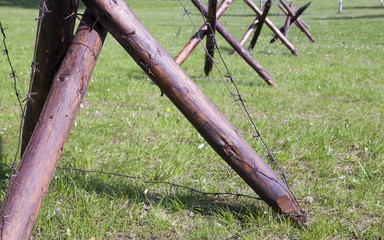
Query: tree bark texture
(237, 47)
(210, 44)
(248, 33)
(120, 21)
(38, 164)
(299, 24)
(52, 43)
(288, 21)
(274, 29)
(195, 40)
(267, 6)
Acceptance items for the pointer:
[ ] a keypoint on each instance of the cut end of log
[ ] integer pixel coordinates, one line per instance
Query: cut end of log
(292, 210)
(271, 82)
(295, 52)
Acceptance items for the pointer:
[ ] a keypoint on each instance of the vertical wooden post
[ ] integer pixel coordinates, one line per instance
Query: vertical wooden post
(237, 47)
(52, 43)
(210, 44)
(340, 6)
(274, 29)
(25, 196)
(195, 40)
(267, 6)
(120, 21)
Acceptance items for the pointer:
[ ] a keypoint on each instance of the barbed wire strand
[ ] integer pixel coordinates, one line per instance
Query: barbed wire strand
(14, 166)
(237, 95)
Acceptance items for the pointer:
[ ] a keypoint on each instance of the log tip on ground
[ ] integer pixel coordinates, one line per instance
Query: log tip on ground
(295, 52)
(271, 82)
(292, 210)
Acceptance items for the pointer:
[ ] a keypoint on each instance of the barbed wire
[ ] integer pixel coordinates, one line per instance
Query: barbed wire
(236, 94)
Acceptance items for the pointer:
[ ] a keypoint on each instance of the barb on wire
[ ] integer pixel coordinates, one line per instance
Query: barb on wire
(216, 194)
(236, 94)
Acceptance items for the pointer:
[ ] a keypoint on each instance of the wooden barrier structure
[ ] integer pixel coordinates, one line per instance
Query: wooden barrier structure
(38, 163)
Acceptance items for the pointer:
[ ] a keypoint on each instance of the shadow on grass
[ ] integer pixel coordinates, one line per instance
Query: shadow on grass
(174, 200)
(20, 3)
(364, 7)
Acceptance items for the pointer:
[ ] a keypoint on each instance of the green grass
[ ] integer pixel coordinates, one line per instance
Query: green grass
(324, 123)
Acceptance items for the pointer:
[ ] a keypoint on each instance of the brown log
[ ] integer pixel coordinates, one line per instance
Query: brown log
(237, 47)
(41, 156)
(294, 18)
(210, 44)
(274, 29)
(248, 33)
(55, 37)
(120, 21)
(299, 19)
(195, 40)
(288, 20)
(267, 6)
(300, 26)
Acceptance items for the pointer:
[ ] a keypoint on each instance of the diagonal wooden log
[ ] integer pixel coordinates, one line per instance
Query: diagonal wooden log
(25, 196)
(195, 40)
(237, 47)
(52, 43)
(297, 20)
(274, 29)
(294, 18)
(300, 26)
(288, 20)
(120, 21)
(210, 44)
(267, 6)
(248, 33)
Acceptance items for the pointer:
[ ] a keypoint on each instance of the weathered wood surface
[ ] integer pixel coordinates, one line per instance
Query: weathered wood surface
(274, 29)
(288, 20)
(294, 18)
(41, 156)
(195, 40)
(210, 43)
(120, 21)
(248, 33)
(267, 6)
(55, 37)
(237, 47)
(299, 24)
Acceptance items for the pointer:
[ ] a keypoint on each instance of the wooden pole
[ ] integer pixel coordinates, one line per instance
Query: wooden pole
(267, 6)
(195, 40)
(299, 19)
(300, 26)
(288, 21)
(120, 21)
(274, 29)
(25, 196)
(236, 46)
(340, 6)
(211, 28)
(52, 43)
(248, 33)
(294, 18)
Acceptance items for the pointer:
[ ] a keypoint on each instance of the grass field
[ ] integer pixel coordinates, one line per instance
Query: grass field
(324, 124)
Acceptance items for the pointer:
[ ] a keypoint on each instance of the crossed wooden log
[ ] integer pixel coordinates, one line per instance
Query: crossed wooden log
(51, 125)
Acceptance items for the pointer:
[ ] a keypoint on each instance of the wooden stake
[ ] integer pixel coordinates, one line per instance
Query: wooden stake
(236, 46)
(211, 28)
(267, 6)
(55, 36)
(195, 40)
(274, 29)
(301, 26)
(299, 19)
(288, 21)
(30, 184)
(294, 18)
(120, 21)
